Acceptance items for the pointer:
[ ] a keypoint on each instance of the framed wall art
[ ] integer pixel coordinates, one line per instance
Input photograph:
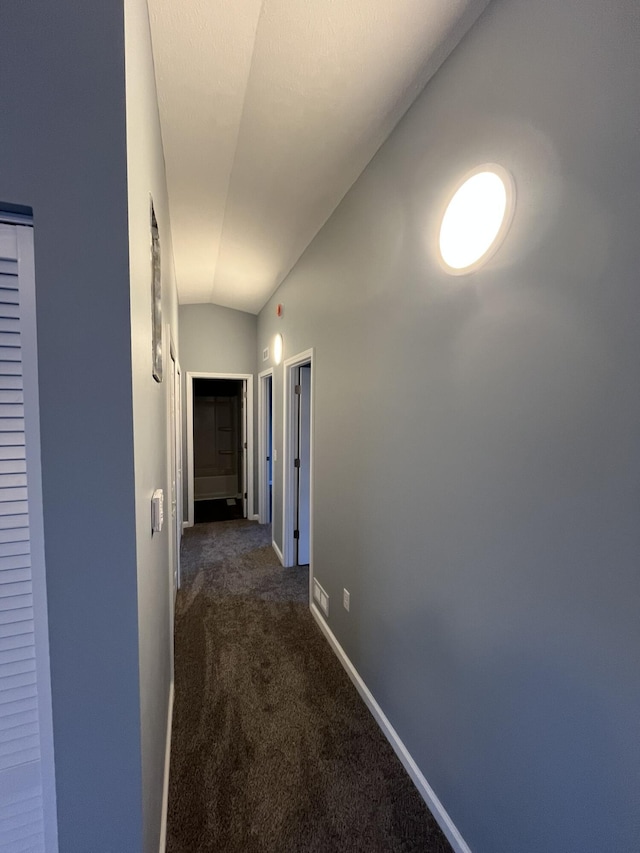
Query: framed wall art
(156, 299)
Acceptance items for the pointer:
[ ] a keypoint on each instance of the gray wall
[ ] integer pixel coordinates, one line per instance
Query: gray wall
(217, 340)
(62, 151)
(146, 176)
(214, 339)
(478, 438)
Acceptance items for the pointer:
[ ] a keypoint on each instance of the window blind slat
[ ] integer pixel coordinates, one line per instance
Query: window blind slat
(11, 615)
(15, 602)
(14, 534)
(11, 410)
(10, 381)
(10, 311)
(13, 508)
(14, 523)
(26, 705)
(16, 641)
(12, 481)
(16, 804)
(35, 844)
(18, 733)
(17, 668)
(20, 679)
(11, 577)
(11, 337)
(9, 325)
(13, 466)
(13, 549)
(14, 694)
(16, 630)
(11, 425)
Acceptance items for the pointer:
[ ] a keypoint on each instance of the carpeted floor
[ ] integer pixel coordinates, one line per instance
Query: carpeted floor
(273, 750)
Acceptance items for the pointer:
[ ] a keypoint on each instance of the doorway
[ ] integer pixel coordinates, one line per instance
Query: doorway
(219, 446)
(297, 537)
(265, 446)
(175, 461)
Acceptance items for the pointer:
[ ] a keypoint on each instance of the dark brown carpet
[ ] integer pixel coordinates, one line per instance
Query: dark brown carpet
(272, 749)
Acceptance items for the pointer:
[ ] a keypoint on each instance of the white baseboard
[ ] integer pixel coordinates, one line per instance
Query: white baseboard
(165, 787)
(254, 517)
(186, 524)
(424, 789)
(278, 551)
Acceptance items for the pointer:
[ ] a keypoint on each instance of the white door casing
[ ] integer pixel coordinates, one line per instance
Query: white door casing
(288, 473)
(178, 451)
(244, 444)
(265, 448)
(175, 455)
(247, 421)
(303, 455)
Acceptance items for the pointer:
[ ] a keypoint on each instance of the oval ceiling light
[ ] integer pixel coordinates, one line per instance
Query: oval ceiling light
(477, 219)
(277, 348)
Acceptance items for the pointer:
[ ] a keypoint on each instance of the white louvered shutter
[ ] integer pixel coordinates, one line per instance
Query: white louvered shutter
(26, 749)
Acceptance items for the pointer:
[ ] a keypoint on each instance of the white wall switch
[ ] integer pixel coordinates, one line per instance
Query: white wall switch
(265, 354)
(157, 511)
(346, 596)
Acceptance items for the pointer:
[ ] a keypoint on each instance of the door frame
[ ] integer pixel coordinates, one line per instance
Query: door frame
(248, 451)
(175, 454)
(288, 473)
(263, 485)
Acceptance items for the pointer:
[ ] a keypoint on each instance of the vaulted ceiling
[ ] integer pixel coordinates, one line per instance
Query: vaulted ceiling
(270, 110)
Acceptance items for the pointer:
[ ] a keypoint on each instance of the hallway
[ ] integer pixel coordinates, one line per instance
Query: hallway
(272, 748)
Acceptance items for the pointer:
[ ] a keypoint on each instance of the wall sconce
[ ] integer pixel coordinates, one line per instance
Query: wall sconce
(477, 219)
(278, 347)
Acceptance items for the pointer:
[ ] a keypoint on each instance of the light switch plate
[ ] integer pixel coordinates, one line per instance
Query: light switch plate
(157, 511)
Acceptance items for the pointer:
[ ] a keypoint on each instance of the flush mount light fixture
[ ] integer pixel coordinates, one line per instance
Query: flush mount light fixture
(277, 348)
(476, 219)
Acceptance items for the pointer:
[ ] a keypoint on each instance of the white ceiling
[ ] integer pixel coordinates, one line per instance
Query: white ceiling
(270, 109)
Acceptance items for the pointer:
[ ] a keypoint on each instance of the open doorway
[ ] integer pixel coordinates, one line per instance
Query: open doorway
(265, 446)
(298, 462)
(218, 447)
(175, 454)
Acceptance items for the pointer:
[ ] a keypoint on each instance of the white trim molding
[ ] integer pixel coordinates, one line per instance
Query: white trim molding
(277, 550)
(263, 486)
(167, 763)
(288, 470)
(424, 788)
(248, 378)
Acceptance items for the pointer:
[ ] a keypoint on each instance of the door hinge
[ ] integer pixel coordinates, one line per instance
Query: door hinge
(268, 459)
(245, 445)
(298, 389)
(245, 496)
(296, 463)
(296, 534)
